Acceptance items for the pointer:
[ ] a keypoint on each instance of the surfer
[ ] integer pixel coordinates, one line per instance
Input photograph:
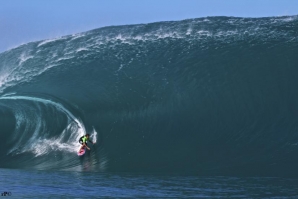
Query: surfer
(83, 141)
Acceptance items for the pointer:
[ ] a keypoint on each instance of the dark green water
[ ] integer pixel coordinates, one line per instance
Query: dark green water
(210, 96)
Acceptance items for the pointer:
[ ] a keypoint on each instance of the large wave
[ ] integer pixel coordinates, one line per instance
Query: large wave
(215, 95)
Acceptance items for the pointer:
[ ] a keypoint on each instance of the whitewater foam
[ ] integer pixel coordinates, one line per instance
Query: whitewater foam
(49, 41)
(42, 146)
(23, 58)
(81, 49)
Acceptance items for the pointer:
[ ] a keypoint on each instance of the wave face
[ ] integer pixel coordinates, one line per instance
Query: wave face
(211, 96)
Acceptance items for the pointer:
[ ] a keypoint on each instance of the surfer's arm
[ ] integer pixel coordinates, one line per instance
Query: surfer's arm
(85, 145)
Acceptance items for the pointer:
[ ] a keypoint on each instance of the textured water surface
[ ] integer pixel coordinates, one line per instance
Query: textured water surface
(51, 184)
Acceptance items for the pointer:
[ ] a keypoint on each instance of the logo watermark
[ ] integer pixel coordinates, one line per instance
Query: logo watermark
(6, 193)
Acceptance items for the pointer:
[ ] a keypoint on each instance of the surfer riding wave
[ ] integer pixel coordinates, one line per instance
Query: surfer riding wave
(83, 141)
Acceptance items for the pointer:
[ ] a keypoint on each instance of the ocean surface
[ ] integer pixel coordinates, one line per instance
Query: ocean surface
(204, 107)
(61, 184)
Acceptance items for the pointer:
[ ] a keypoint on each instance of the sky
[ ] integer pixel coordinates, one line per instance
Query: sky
(32, 20)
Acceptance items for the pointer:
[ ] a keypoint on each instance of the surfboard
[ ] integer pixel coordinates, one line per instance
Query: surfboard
(81, 152)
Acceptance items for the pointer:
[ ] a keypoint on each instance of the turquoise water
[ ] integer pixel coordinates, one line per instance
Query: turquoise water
(57, 184)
